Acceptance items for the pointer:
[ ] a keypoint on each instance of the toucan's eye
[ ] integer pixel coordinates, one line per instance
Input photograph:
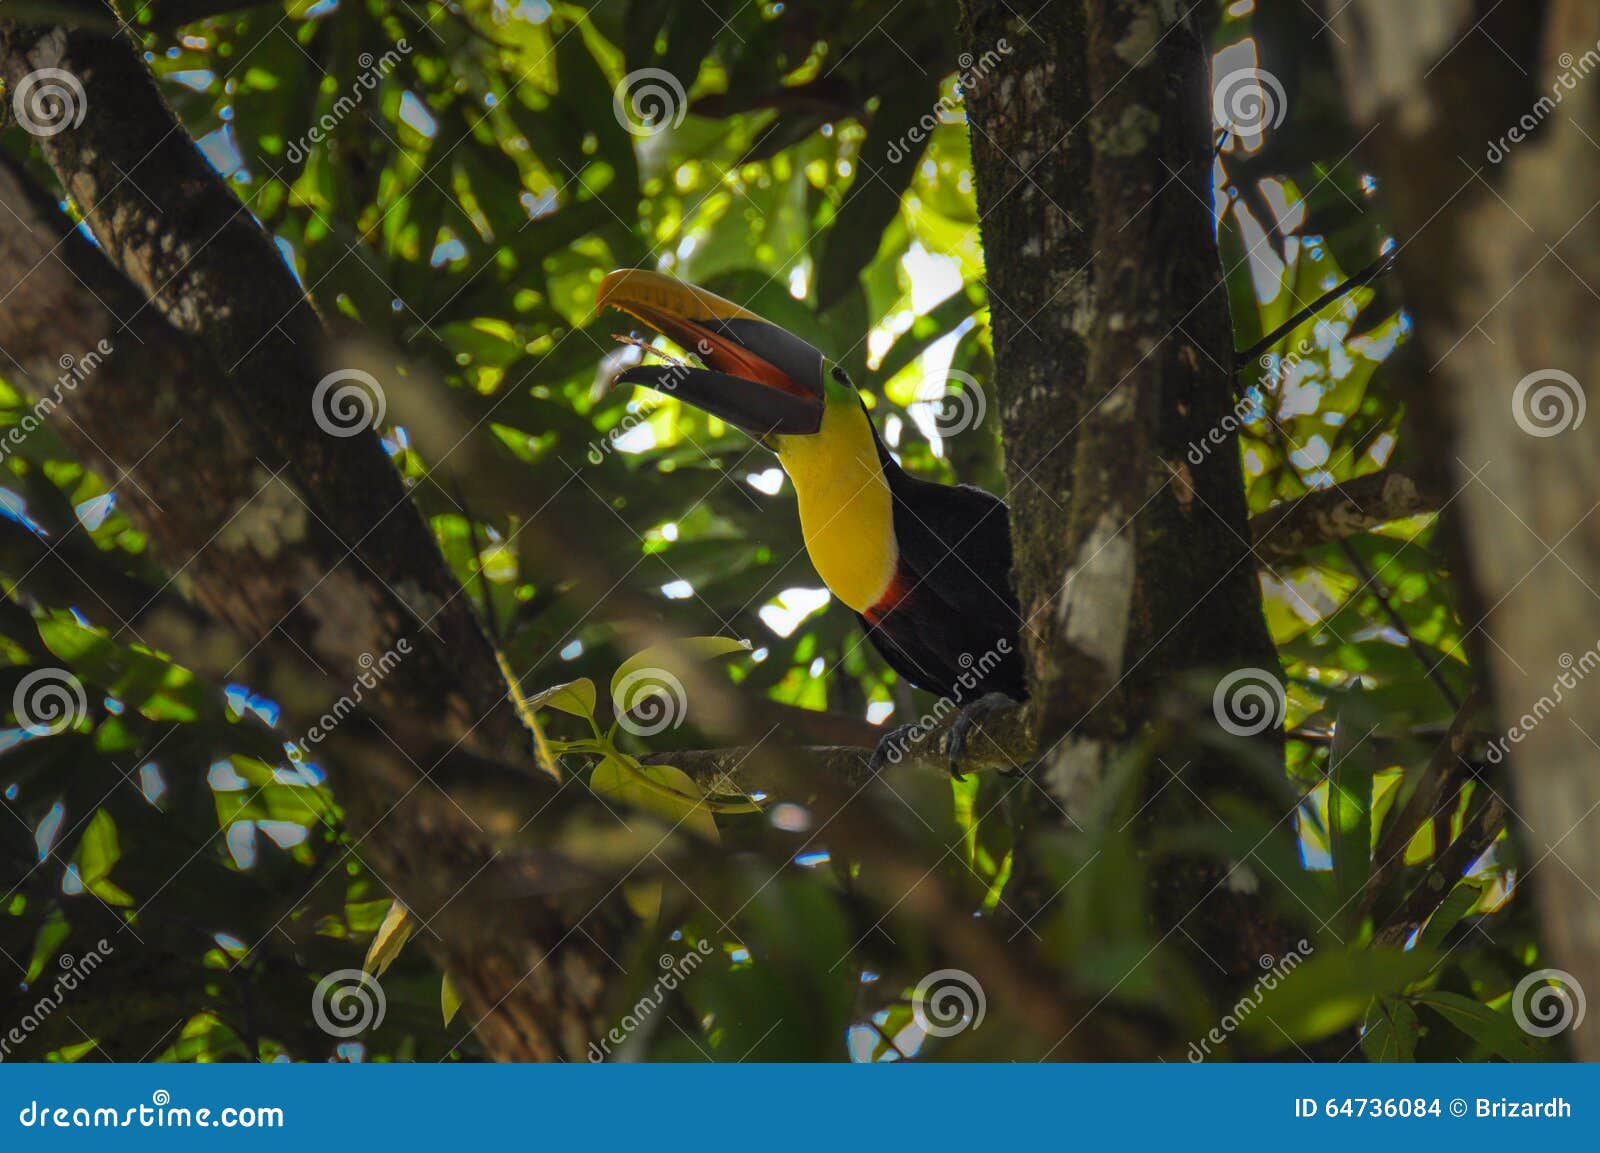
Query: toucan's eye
(838, 375)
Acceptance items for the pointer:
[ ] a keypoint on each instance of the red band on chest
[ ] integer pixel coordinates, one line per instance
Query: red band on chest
(891, 598)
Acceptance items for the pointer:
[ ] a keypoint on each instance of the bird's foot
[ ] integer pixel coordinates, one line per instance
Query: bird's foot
(895, 744)
(971, 715)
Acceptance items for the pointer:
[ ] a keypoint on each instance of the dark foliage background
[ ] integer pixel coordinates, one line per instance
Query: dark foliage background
(456, 221)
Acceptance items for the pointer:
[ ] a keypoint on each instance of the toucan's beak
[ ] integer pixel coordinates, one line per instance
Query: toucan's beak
(757, 376)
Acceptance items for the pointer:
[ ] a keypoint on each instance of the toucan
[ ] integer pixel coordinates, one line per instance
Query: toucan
(926, 567)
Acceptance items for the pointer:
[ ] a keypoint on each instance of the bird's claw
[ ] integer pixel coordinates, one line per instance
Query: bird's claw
(892, 748)
(969, 716)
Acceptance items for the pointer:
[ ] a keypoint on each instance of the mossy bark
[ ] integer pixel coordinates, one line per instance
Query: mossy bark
(1114, 353)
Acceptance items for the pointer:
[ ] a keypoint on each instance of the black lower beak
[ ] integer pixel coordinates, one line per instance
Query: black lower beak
(756, 410)
(757, 376)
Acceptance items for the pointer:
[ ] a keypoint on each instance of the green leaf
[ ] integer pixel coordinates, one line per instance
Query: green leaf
(46, 943)
(574, 697)
(1495, 1031)
(659, 672)
(1350, 773)
(1331, 992)
(1391, 1030)
(449, 999)
(660, 789)
(390, 938)
(98, 851)
(1457, 905)
(157, 688)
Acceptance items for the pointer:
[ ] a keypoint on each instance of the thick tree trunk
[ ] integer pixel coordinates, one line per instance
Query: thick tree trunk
(1114, 352)
(1480, 122)
(172, 226)
(271, 525)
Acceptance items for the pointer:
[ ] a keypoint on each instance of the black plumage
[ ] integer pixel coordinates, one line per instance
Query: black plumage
(949, 623)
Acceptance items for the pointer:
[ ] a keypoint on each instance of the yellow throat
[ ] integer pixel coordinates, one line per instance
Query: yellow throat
(846, 513)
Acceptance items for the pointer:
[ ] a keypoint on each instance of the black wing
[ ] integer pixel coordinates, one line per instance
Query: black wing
(955, 632)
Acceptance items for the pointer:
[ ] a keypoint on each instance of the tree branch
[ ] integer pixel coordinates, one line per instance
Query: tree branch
(1481, 831)
(1439, 779)
(206, 265)
(1289, 530)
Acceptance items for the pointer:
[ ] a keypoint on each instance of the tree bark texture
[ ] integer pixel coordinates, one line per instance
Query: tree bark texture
(1114, 352)
(1480, 124)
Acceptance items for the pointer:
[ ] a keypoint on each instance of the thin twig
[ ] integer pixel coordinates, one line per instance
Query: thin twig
(1442, 771)
(1478, 834)
(1366, 276)
(1431, 668)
